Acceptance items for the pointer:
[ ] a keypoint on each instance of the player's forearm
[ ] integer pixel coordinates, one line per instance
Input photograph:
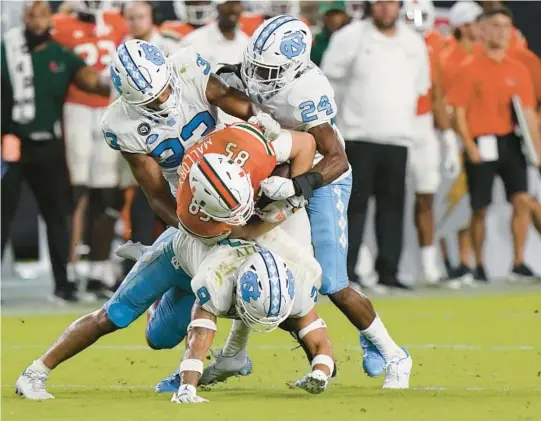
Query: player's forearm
(249, 232)
(165, 207)
(198, 344)
(302, 153)
(439, 109)
(332, 166)
(461, 127)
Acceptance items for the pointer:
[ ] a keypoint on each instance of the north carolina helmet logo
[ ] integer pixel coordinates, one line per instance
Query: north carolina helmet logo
(293, 45)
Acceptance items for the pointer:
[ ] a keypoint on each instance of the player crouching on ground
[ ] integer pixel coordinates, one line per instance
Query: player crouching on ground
(263, 293)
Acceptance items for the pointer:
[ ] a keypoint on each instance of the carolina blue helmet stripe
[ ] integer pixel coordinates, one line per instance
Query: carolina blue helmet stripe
(274, 282)
(133, 72)
(269, 30)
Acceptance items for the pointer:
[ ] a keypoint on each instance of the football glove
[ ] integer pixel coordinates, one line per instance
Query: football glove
(270, 126)
(280, 210)
(187, 394)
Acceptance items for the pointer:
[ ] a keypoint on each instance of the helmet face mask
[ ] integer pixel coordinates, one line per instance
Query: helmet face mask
(278, 51)
(264, 292)
(141, 74)
(420, 15)
(196, 13)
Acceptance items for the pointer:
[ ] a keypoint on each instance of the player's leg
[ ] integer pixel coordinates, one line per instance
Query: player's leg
(53, 194)
(151, 277)
(515, 178)
(10, 191)
(480, 180)
(424, 160)
(327, 211)
(168, 326)
(78, 138)
(105, 203)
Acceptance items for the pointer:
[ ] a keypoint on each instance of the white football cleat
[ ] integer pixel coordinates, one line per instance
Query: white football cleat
(398, 371)
(314, 382)
(131, 251)
(221, 368)
(31, 385)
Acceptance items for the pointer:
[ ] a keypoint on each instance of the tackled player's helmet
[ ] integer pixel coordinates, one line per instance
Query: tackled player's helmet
(196, 13)
(265, 291)
(277, 52)
(222, 189)
(421, 14)
(141, 73)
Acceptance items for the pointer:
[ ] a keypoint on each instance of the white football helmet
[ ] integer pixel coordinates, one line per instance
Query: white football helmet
(421, 14)
(355, 9)
(140, 73)
(277, 52)
(222, 189)
(265, 291)
(197, 13)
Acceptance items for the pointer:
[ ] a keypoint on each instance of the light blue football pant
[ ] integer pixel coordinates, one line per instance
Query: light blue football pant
(154, 275)
(327, 211)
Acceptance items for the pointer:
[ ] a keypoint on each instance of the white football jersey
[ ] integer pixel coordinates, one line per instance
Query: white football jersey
(126, 130)
(306, 102)
(215, 270)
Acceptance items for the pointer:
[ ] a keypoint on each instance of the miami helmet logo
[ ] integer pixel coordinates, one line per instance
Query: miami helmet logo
(293, 45)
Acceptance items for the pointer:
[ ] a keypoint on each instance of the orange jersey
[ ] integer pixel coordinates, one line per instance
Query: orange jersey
(244, 144)
(533, 64)
(249, 22)
(517, 39)
(176, 29)
(450, 60)
(96, 50)
(434, 43)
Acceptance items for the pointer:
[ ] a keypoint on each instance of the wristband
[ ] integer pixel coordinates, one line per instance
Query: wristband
(306, 183)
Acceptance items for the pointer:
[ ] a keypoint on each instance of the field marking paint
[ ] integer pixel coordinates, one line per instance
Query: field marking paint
(417, 388)
(452, 347)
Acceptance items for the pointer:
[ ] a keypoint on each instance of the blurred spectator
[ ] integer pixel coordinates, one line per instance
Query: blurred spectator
(92, 32)
(463, 18)
(482, 95)
(191, 14)
(334, 17)
(263, 10)
(425, 154)
(382, 67)
(36, 73)
(516, 37)
(220, 42)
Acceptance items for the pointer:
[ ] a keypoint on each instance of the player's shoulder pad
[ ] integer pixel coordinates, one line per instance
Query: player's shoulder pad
(213, 292)
(311, 97)
(119, 130)
(190, 64)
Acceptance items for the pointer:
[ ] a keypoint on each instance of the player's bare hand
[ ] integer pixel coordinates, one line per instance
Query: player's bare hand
(277, 188)
(473, 154)
(314, 382)
(270, 126)
(187, 394)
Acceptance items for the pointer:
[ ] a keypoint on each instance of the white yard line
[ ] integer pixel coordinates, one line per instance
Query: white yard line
(418, 388)
(452, 347)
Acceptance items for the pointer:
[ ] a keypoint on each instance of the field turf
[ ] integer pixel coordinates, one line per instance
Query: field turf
(475, 358)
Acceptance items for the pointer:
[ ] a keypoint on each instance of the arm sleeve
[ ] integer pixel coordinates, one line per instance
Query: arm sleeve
(339, 55)
(7, 94)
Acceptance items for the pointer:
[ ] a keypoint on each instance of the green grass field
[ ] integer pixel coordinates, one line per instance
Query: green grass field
(475, 358)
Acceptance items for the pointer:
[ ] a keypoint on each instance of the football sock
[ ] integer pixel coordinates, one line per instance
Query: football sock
(237, 339)
(378, 335)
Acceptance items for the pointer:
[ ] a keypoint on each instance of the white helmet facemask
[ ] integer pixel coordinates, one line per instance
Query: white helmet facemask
(278, 52)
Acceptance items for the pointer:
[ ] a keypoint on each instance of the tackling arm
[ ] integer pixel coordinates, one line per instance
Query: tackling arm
(89, 80)
(303, 150)
(149, 176)
(335, 161)
(230, 100)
